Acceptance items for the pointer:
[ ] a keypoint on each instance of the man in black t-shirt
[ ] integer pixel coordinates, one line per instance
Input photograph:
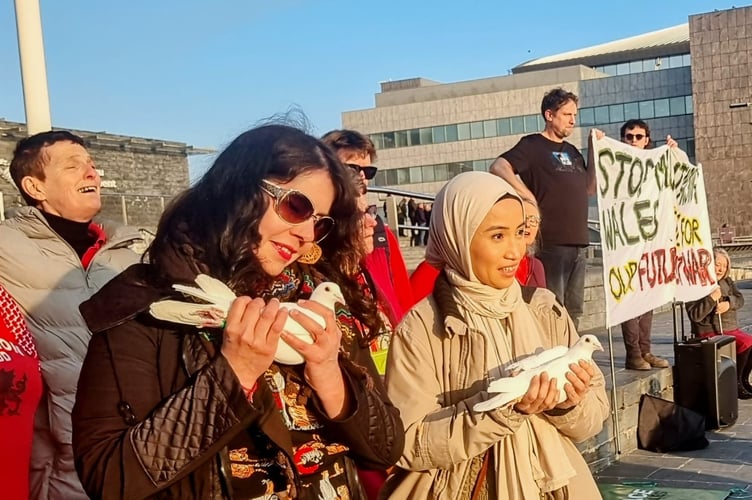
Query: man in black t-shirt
(555, 175)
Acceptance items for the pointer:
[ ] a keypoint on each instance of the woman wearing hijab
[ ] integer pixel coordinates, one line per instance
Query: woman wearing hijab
(468, 331)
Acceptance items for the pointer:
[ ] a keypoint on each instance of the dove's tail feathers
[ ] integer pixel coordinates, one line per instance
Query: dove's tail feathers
(495, 402)
(509, 384)
(192, 291)
(186, 313)
(215, 288)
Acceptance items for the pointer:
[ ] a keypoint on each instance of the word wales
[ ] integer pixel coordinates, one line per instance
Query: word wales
(655, 233)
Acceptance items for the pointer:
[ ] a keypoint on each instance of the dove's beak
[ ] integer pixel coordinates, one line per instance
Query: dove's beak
(598, 345)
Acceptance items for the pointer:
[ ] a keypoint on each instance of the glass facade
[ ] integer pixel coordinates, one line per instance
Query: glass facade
(528, 124)
(642, 65)
(445, 171)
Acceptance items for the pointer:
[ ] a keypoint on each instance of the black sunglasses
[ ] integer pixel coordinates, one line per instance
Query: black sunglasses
(296, 208)
(368, 172)
(634, 137)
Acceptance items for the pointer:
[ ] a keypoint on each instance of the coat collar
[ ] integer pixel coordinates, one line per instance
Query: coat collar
(454, 322)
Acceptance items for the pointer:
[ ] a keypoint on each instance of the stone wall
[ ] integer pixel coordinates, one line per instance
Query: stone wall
(721, 49)
(139, 176)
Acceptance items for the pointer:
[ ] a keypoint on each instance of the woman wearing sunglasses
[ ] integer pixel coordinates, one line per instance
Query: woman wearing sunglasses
(168, 411)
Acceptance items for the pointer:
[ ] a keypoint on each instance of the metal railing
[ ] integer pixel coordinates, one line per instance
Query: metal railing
(393, 222)
(139, 210)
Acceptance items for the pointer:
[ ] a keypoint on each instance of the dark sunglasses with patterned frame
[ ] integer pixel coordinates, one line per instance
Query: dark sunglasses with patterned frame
(295, 208)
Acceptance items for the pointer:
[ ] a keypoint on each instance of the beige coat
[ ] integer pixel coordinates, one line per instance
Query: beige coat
(437, 371)
(46, 277)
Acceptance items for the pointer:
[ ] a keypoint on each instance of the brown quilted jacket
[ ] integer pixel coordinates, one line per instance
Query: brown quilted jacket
(157, 406)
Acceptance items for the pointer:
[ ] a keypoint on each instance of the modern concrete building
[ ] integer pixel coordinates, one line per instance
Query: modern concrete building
(426, 132)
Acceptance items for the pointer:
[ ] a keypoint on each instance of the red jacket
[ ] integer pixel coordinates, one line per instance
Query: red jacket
(529, 273)
(389, 274)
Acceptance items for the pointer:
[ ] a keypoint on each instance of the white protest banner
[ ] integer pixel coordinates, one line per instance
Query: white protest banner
(655, 233)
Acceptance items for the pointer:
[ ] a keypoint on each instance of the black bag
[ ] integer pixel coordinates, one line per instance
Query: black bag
(664, 426)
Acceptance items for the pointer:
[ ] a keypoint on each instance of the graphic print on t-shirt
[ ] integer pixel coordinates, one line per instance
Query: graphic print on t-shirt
(563, 162)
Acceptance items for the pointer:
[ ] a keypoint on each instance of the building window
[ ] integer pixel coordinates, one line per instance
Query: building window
(388, 140)
(489, 128)
(438, 135)
(428, 173)
(587, 117)
(616, 112)
(518, 125)
(400, 139)
(647, 109)
(635, 66)
(416, 175)
(504, 126)
(476, 130)
(426, 137)
(441, 172)
(414, 137)
(631, 111)
(463, 131)
(689, 105)
(601, 115)
(531, 124)
(451, 133)
(661, 108)
(677, 106)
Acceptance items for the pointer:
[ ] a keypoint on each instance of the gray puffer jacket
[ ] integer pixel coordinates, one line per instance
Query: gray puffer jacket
(45, 276)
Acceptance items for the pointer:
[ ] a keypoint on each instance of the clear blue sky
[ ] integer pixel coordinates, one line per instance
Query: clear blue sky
(201, 71)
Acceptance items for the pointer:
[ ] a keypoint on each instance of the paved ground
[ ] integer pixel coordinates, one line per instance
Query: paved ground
(725, 464)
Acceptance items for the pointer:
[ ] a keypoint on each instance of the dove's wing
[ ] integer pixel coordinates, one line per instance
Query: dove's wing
(515, 385)
(536, 360)
(180, 312)
(215, 288)
(495, 402)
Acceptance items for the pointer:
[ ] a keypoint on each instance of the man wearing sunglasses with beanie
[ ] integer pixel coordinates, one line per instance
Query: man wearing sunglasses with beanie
(385, 264)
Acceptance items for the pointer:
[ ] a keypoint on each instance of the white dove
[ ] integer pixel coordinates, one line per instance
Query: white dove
(219, 297)
(555, 362)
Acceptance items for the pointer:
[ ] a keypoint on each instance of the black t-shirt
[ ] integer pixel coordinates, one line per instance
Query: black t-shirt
(556, 173)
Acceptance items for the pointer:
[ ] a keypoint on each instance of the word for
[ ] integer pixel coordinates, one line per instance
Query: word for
(661, 267)
(687, 230)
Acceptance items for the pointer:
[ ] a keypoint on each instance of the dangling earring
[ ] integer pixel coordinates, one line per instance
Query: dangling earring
(312, 256)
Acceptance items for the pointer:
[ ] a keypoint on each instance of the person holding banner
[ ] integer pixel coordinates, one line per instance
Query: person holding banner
(554, 173)
(477, 321)
(636, 331)
(716, 314)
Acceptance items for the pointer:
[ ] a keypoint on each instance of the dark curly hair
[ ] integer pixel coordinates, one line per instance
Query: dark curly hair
(212, 227)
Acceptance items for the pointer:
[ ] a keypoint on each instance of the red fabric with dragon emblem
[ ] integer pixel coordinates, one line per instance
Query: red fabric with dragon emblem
(20, 390)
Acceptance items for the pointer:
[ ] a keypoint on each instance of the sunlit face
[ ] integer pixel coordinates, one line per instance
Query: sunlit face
(721, 266)
(561, 122)
(282, 243)
(499, 244)
(355, 158)
(637, 137)
(71, 185)
(532, 223)
(368, 224)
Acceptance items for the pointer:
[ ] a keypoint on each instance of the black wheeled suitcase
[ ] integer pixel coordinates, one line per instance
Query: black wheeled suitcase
(705, 375)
